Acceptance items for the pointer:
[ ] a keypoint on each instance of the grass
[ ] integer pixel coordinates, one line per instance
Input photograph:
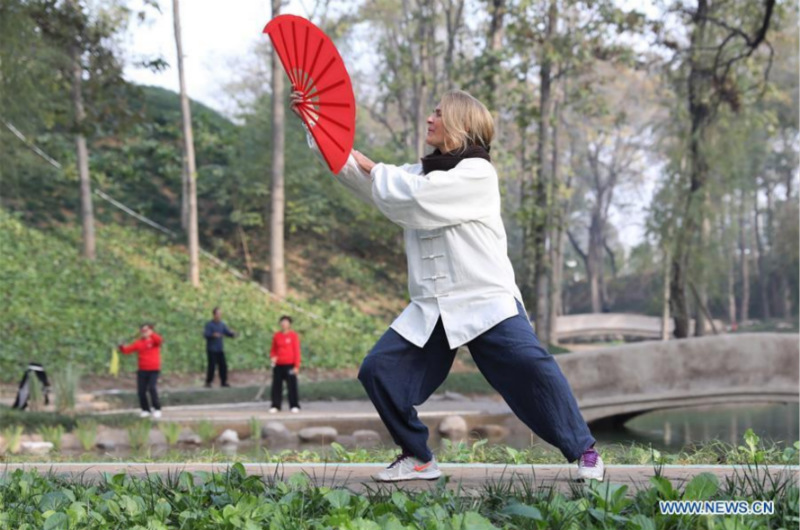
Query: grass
(54, 435)
(233, 499)
(139, 434)
(171, 431)
(12, 436)
(86, 432)
(206, 430)
(62, 309)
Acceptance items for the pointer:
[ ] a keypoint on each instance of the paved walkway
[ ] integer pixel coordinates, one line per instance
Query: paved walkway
(470, 478)
(321, 410)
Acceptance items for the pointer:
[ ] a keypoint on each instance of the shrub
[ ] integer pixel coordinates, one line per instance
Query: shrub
(139, 434)
(86, 432)
(171, 431)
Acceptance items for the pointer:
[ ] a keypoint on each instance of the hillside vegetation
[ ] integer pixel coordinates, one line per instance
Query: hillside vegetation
(61, 308)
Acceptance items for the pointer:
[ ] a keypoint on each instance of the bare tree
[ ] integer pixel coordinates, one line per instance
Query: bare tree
(277, 199)
(762, 270)
(744, 259)
(188, 153)
(87, 209)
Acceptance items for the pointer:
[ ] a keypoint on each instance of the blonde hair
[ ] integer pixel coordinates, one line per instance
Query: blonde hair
(466, 121)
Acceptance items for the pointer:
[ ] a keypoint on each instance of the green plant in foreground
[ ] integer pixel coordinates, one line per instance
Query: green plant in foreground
(86, 432)
(232, 499)
(53, 435)
(171, 431)
(13, 438)
(206, 430)
(139, 434)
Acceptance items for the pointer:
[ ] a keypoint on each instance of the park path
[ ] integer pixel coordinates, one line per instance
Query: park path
(322, 410)
(468, 478)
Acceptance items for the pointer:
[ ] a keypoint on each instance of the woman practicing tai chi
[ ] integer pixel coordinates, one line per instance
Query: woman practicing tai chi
(462, 290)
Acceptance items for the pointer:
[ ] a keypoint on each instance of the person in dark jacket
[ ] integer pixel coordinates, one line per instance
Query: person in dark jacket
(214, 331)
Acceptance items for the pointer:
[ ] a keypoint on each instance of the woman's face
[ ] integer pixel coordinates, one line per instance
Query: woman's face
(435, 136)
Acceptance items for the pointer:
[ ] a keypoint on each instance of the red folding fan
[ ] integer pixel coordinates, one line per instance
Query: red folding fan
(316, 69)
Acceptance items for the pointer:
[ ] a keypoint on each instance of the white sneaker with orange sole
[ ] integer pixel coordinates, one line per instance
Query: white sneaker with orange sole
(407, 467)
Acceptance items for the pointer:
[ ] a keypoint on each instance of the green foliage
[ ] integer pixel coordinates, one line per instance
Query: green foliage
(62, 309)
(36, 396)
(171, 431)
(86, 432)
(12, 436)
(235, 500)
(53, 435)
(66, 382)
(206, 430)
(139, 434)
(255, 429)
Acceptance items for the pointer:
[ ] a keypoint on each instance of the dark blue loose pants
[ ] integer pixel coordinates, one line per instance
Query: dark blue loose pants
(398, 376)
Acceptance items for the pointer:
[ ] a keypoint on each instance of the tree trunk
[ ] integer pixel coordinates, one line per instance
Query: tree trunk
(556, 242)
(188, 150)
(786, 297)
(594, 269)
(702, 283)
(454, 18)
(276, 250)
(762, 270)
(495, 40)
(665, 303)
(744, 259)
(87, 208)
(700, 114)
(184, 194)
(730, 259)
(543, 179)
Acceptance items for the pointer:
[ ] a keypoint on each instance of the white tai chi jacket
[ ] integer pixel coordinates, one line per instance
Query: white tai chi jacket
(458, 266)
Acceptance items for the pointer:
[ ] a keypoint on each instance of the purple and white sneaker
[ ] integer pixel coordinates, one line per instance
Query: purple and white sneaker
(590, 465)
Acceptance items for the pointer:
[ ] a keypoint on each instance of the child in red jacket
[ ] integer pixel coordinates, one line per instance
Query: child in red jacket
(285, 357)
(149, 349)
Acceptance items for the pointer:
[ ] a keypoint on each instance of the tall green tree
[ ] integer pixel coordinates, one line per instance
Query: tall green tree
(722, 40)
(80, 38)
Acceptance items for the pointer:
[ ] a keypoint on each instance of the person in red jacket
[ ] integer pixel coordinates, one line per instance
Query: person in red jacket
(148, 347)
(285, 357)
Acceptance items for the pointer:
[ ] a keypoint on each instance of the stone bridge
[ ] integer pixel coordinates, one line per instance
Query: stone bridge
(619, 383)
(588, 325)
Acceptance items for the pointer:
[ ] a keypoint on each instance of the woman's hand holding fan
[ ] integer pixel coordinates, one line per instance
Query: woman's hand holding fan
(322, 95)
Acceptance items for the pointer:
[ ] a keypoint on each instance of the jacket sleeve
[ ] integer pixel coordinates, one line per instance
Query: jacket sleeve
(131, 348)
(468, 192)
(272, 352)
(207, 333)
(227, 331)
(157, 340)
(350, 176)
(296, 350)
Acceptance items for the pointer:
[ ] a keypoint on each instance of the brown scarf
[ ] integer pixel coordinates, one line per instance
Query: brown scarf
(438, 161)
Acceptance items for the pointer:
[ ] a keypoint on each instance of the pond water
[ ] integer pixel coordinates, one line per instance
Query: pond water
(674, 429)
